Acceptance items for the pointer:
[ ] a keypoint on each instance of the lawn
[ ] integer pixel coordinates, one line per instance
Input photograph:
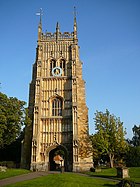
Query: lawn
(106, 172)
(65, 180)
(12, 172)
(134, 173)
(72, 179)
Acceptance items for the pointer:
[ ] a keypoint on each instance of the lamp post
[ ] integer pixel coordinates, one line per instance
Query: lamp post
(61, 160)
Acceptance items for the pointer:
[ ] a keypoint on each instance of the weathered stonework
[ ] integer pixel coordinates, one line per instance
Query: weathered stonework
(57, 105)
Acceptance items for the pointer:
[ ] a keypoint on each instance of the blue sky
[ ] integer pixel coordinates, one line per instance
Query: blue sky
(109, 40)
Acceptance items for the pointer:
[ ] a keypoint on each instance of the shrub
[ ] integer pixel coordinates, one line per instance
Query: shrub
(126, 183)
(95, 169)
(92, 169)
(8, 164)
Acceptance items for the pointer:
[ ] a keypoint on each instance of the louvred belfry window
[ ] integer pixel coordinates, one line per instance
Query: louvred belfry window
(56, 107)
(52, 65)
(62, 66)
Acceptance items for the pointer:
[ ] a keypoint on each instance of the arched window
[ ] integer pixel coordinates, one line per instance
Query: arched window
(62, 66)
(56, 107)
(52, 65)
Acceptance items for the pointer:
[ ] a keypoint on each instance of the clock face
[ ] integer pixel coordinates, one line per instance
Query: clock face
(57, 71)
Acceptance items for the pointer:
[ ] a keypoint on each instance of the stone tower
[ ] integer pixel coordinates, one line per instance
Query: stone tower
(57, 105)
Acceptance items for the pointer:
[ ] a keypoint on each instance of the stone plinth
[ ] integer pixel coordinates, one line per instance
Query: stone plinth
(122, 172)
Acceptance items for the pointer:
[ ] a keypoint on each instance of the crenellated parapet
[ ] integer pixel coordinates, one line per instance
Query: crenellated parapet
(51, 36)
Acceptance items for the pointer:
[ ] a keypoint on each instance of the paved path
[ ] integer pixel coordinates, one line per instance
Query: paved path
(20, 178)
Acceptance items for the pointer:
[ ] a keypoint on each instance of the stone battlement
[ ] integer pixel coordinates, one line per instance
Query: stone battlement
(52, 36)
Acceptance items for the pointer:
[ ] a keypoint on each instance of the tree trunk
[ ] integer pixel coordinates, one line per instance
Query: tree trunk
(111, 158)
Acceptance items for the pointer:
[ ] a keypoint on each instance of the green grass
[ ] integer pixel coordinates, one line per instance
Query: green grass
(12, 172)
(134, 173)
(65, 180)
(71, 179)
(106, 172)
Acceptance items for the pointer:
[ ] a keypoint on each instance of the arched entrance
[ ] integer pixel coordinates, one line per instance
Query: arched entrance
(53, 153)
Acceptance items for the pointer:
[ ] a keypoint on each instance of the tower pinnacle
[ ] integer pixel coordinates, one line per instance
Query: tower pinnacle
(57, 27)
(40, 23)
(75, 24)
(57, 31)
(40, 13)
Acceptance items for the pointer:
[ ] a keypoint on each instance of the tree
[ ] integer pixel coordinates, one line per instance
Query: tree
(12, 152)
(12, 113)
(109, 138)
(136, 137)
(133, 156)
(96, 153)
(27, 142)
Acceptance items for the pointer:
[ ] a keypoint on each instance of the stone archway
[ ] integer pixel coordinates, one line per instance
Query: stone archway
(52, 152)
(52, 164)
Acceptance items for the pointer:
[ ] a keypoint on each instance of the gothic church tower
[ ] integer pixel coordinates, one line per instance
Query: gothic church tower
(57, 105)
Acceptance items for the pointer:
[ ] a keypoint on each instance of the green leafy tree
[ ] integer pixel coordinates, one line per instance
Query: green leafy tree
(109, 138)
(136, 136)
(12, 152)
(27, 142)
(59, 152)
(96, 153)
(133, 156)
(11, 119)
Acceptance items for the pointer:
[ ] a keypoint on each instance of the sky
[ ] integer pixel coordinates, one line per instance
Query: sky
(109, 40)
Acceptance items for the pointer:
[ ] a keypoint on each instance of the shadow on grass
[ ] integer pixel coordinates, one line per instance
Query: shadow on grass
(104, 176)
(109, 185)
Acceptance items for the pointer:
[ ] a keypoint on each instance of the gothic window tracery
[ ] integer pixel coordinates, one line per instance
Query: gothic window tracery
(57, 107)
